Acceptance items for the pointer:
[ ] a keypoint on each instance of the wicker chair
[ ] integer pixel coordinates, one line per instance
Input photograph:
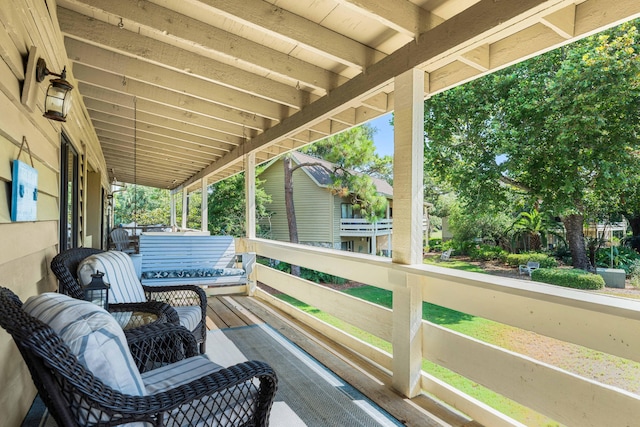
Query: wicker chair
(160, 299)
(241, 395)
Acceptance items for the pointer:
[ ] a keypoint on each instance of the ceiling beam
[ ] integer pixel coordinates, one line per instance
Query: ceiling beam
(181, 31)
(86, 54)
(264, 17)
(167, 125)
(400, 15)
(81, 27)
(90, 91)
(160, 95)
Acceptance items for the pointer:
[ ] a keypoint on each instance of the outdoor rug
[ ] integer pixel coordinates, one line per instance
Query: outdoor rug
(308, 393)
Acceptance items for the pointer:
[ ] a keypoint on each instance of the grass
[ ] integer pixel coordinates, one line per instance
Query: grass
(453, 263)
(476, 327)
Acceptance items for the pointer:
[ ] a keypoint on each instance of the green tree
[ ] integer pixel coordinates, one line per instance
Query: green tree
(536, 226)
(352, 154)
(227, 207)
(144, 205)
(561, 128)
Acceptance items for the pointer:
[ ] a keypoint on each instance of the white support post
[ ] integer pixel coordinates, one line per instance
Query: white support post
(407, 336)
(184, 208)
(408, 158)
(204, 226)
(407, 230)
(173, 211)
(250, 214)
(250, 195)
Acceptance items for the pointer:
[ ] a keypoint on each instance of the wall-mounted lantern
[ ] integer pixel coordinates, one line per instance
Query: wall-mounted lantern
(58, 99)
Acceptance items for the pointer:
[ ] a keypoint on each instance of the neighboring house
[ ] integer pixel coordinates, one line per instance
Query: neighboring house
(323, 219)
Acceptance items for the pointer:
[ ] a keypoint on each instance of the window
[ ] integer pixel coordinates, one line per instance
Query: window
(347, 246)
(68, 195)
(346, 210)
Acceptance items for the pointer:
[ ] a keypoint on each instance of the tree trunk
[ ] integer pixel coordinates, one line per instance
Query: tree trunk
(575, 237)
(535, 242)
(634, 223)
(291, 211)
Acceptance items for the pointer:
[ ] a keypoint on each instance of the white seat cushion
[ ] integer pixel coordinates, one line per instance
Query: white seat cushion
(205, 411)
(190, 316)
(93, 335)
(176, 374)
(119, 273)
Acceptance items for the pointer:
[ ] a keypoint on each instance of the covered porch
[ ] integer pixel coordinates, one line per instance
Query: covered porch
(183, 94)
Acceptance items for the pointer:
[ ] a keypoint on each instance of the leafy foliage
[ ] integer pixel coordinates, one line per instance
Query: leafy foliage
(568, 278)
(561, 129)
(227, 206)
(618, 257)
(545, 260)
(144, 205)
(536, 226)
(487, 253)
(353, 154)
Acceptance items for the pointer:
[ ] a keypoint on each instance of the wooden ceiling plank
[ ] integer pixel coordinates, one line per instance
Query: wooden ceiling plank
(562, 22)
(151, 132)
(104, 129)
(167, 97)
(90, 91)
(403, 16)
(170, 124)
(378, 102)
(187, 33)
(116, 63)
(478, 58)
(161, 155)
(79, 26)
(265, 17)
(158, 130)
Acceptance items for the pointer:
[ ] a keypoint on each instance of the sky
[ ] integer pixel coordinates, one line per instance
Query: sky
(383, 138)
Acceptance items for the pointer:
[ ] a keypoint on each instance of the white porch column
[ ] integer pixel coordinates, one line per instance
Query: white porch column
(173, 211)
(250, 195)
(408, 158)
(204, 226)
(407, 230)
(184, 208)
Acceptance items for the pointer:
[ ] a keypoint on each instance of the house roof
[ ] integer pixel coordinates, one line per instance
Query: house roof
(321, 176)
(178, 91)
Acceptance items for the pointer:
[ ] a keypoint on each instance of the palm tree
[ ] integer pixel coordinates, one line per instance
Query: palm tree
(536, 226)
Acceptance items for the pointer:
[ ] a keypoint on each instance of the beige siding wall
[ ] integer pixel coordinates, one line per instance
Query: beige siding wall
(26, 248)
(314, 207)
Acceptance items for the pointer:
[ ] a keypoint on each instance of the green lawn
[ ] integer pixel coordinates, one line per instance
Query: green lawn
(476, 327)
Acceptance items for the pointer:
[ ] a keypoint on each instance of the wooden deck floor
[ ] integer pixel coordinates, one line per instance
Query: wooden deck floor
(234, 311)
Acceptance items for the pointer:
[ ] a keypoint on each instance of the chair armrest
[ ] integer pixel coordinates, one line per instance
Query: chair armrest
(227, 389)
(165, 313)
(159, 344)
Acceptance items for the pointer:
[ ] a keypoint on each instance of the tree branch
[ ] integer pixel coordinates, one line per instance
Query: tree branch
(506, 180)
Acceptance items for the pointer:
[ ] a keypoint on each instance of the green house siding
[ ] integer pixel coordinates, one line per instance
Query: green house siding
(315, 210)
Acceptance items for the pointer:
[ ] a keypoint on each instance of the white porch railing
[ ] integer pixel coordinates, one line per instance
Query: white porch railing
(595, 321)
(360, 227)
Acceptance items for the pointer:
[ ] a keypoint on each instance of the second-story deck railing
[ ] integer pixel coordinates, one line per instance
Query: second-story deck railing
(595, 321)
(360, 227)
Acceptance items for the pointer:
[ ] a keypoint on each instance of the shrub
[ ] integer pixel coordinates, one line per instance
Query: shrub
(435, 245)
(569, 278)
(620, 256)
(545, 260)
(634, 273)
(486, 253)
